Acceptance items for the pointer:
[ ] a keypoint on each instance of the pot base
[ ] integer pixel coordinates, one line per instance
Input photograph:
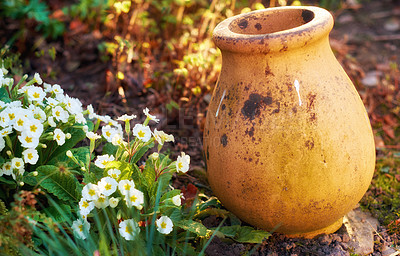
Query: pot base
(327, 230)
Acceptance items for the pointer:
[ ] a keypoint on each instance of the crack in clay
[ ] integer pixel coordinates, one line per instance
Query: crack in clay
(222, 98)
(297, 86)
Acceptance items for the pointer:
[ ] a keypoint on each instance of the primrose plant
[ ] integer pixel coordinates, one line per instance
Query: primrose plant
(121, 178)
(135, 197)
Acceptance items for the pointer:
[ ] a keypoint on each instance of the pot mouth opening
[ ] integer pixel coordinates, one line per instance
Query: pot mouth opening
(256, 23)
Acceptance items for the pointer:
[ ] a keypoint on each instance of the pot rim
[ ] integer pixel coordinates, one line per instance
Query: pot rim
(312, 30)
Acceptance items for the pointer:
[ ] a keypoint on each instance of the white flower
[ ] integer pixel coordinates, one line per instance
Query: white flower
(59, 136)
(91, 112)
(20, 122)
(38, 113)
(125, 185)
(142, 132)
(30, 156)
(154, 156)
(113, 202)
(117, 139)
(108, 132)
(56, 89)
(92, 136)
(80, 119)
(162, 137)
(6, 131)
(37, 78)
(34, 128)
(107, 186)
(73, 105)
(129, 229)
(28, 141)
(151, 117)
(182, 163)
(176, 200)
(35, 94)
(164, 225)
(2, 143)
(134, 198)
(7, 168)
(85, 206)
(102, 160)
(80, 228)
(126, 117)
(51, 122)
(60, 114)
(52, 102)
(101, 202)
(114, 173)
(90, 192)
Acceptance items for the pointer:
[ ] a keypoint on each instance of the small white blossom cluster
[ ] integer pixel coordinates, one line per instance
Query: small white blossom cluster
(38, 116)
(111, 190)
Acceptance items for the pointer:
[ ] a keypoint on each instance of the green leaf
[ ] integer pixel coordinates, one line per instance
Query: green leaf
(4, 95)
(63, 185)
(77, 135)
(110, 149)
(170, 194)
(192, 226)
(139, 154)
(60, 213)
(8, 182)
(125, 168)
(244, 234)
(80, 154)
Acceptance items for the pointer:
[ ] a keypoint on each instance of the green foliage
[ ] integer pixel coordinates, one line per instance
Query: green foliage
(57, 181)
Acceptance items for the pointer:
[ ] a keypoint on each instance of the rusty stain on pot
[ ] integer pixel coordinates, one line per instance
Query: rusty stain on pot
(243, 24)
(310, 144)
(258, 26)
(252, 106)
(224, 140)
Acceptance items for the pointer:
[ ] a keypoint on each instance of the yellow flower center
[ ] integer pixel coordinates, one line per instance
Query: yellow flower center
(163, 225)
(28, 139)
(114, 175)
(133, 198)
(36, 95)
(101, 199)
(58, 113)
(104, 162)
(20, 122)
(128, 229)
(127, 186)
(58, 137)
(141, 134)
(108, 186)
(30, 156)
(108, 134)
(180, 165)
(33, 128)
(91, 192)
(85, 204)
(81, 228)
(11, 116)
(17, 164)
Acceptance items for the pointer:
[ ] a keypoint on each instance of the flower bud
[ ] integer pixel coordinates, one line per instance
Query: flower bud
(21, 183)
(154, 156)
(69, 153)
(8, 153)
(35, 173)
(68, 135)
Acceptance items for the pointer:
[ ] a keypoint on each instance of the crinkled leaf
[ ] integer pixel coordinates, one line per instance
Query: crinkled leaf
(4, 95)
(80, 154)
(63, 185)
(192, 226)
(110, 149)
(77, 135)
(244, 234)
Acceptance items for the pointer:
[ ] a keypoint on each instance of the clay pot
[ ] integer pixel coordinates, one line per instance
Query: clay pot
(287, 141)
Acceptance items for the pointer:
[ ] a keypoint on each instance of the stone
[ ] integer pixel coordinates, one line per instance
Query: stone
(360, 227)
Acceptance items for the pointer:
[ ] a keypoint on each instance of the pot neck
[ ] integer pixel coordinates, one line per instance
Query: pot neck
(273, 29)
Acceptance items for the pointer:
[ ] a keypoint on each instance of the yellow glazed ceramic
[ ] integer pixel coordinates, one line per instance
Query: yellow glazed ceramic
(288, 143)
